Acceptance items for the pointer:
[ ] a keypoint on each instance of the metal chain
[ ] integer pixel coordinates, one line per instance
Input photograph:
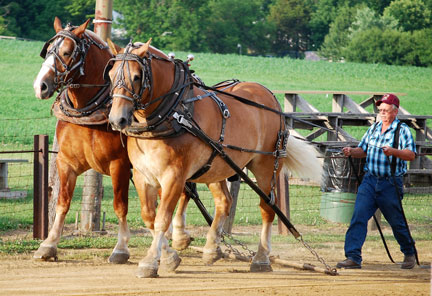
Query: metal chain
(318, 257)
(231, 249)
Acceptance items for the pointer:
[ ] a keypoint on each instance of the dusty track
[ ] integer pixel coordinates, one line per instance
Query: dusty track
(85, 272)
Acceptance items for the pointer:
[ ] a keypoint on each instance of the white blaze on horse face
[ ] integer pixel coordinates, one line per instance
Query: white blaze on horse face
(39, 82)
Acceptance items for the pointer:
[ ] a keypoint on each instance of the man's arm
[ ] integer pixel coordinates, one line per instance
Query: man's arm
(356, 152)
(404, 154)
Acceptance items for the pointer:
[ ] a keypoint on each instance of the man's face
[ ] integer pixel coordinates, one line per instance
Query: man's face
(387, 112)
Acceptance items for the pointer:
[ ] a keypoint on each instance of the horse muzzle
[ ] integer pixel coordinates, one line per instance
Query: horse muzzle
(119, 122)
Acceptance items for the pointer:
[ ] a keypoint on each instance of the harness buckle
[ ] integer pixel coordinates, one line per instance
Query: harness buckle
(226, 113)
(182, 120)
(280, 154)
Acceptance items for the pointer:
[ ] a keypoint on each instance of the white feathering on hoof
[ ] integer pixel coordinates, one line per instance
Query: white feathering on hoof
(303, 160)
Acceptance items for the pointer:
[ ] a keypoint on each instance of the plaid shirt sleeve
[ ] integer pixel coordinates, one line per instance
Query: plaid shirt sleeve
(364, 141)
(406, 140)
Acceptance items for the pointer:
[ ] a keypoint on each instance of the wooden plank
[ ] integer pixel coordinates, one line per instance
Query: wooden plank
(292, 101)
(3, 160)
(418, 190)
(351, 105)
(420, 171)
(7, 194)
(4, 171)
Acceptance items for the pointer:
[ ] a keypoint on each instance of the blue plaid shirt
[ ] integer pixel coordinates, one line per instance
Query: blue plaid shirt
(373, 140)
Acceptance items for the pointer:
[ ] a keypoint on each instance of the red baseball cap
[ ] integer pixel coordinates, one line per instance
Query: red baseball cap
(390, 99)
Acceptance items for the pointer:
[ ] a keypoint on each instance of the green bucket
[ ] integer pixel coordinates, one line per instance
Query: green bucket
(337, 206)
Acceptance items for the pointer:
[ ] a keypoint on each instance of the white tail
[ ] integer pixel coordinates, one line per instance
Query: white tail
(303, 160)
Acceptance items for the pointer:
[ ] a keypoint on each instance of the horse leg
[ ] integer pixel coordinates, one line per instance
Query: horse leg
(223, 201)
(48, 248)
(181, 238)
(159, 249)
(261, 260)
(120, 182)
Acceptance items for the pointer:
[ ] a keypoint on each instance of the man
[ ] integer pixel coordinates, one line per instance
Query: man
(377, 189)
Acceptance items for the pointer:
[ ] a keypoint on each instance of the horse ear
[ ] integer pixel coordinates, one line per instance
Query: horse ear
(115, 49)
(57, 25)
(144, 48)
(81, 29)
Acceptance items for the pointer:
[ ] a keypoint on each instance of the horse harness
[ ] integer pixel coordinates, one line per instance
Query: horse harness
(97, 109)
(175, 115)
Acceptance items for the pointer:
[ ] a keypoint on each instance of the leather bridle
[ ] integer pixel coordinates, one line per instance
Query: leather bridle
(81, 47)
(119, 78)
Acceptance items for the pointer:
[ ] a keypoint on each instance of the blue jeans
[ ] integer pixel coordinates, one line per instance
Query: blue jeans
(377, 192)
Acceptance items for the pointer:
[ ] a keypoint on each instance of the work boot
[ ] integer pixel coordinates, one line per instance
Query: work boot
(409, 262)
(348, 264)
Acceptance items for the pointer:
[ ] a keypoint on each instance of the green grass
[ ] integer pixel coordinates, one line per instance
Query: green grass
(20, 64)
(22, 116)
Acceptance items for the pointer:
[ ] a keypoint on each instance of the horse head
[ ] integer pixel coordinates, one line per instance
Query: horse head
(131, 79)
(68, 55)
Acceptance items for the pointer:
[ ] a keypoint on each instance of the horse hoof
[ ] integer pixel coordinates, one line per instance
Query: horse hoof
(170, 263)
(182, 244)
(261, 267)
(147, 272)
(45, 253)
(118, 258)
(212, 257)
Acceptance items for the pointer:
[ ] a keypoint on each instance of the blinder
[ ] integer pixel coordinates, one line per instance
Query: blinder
(108, 68)
(44, 50)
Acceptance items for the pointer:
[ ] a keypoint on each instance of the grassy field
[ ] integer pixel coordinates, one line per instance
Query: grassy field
(22, 116)
(20, 63)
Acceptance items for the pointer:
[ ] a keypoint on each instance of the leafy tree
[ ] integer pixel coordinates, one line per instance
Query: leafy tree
(80, 10)
(377, 5)
(34, 18)
(322, 15)
(377, 46)
(233, 23)
(411, 14)
(338, 37)
(421, 54)
(291, 19)
(209, 25)
(171, 24)
(367, 18)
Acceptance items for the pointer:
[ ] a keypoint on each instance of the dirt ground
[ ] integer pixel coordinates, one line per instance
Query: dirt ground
(86, 272)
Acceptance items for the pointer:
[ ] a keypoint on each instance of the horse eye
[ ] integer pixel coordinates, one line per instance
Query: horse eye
(67, 54)
(137, 78)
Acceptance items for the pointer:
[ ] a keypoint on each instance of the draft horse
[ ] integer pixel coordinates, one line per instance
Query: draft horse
(74, 62)
(168, 110)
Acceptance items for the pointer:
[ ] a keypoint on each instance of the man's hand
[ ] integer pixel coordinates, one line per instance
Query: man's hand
(388, 151)
(356, 152)
(347, 151)
(405, 154)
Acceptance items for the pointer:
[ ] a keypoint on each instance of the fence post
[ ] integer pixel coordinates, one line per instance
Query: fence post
(53, 183)
(40, 187)
(91, 201)
(282, 187)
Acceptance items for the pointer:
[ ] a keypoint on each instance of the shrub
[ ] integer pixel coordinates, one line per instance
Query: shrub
(376, 46)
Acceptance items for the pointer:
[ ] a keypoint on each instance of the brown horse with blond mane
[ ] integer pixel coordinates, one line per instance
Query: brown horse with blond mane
(165, 110)
(74, 62)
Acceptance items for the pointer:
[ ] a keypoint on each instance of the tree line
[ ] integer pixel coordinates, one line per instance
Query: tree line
(372, 31)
